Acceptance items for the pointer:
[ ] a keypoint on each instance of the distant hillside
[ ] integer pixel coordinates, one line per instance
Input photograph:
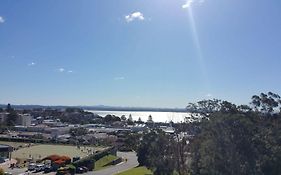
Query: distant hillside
(100, 108)
(117, 108)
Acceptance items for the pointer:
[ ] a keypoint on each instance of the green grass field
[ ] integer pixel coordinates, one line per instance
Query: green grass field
(136, 171)
(43, 150)
(100, 164)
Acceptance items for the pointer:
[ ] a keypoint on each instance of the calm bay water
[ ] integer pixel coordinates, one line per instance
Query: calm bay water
(156, 116)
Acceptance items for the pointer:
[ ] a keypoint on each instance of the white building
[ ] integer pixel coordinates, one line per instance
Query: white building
(24, 119)
(57, 131)
(3, 117)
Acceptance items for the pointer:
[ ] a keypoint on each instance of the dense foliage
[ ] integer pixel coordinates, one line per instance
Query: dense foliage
(237, 144)
(156, 152)
(78, 131)
(228, 139)
(12, 116)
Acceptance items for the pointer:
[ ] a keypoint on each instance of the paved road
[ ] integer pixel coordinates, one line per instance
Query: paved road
(22, 171)
(131, 163)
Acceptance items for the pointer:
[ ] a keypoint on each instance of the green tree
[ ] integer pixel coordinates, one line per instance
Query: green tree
(160, 161)
(78, 131)
(149, 120)
(111, 118)
(140, 121)
(71, 110)
(268, 104)
(132, 141)
(237, 140)
(130, 120)
(123, 118)
(11, 118)
(225, 146)
(205, 107)
(9, 108)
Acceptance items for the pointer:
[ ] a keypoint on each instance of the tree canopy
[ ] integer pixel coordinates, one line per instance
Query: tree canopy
(230, 139)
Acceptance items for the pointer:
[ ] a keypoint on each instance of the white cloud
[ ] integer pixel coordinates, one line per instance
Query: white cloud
(134, 16)
(189, 3)
(61, 69)
(119, 78)
(2, 20)
(32, 64)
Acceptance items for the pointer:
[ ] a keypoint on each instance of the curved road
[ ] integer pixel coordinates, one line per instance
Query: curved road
(130, 163)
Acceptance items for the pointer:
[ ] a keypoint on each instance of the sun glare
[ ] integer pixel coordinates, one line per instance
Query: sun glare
(195, 37)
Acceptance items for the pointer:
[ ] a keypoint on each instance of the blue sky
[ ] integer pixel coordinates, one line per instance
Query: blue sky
(158, 53)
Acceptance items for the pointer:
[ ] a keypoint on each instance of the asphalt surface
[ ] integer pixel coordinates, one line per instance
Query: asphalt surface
(130, 163)
(23, 171)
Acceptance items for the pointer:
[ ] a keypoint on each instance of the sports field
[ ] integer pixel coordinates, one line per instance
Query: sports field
(39, 151)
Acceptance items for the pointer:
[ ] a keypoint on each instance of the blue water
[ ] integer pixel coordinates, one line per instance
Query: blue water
(156, 116)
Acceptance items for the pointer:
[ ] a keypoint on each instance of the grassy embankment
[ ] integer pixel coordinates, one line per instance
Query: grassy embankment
(100, 164)
(136, 171)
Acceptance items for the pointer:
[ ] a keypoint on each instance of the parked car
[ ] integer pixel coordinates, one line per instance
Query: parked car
(85, 169)
(63, 171)
(39, 167)
(31, 167)
(79, 170)
(48, 169)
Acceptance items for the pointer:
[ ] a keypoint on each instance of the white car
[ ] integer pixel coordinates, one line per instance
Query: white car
(39, 167)
(8, 173)
(31, 167)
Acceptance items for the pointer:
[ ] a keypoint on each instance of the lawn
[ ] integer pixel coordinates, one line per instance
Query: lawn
(42, 150)
(136, 171)
(100, 164)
